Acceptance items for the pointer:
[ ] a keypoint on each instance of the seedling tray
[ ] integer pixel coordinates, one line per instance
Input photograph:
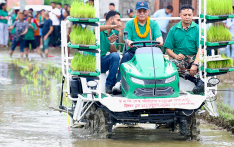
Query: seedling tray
(81, 46)
(84, 73)
(89, 20)
(218, 70)
(215, 44)
(215, 17)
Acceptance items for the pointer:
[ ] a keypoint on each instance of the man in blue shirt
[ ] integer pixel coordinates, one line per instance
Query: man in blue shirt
(163, 23)
(46, 31)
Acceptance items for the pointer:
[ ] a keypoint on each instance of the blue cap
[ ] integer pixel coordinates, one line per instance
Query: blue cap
(142, 5)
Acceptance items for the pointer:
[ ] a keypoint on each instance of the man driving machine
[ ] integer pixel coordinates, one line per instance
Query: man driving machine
(139, 29)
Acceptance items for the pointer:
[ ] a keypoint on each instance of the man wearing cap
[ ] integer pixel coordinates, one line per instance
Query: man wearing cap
(130, 13)
(141, 28)
(183, 39)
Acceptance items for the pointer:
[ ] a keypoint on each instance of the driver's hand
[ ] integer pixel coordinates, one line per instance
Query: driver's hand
(129, 44)
(161, 44)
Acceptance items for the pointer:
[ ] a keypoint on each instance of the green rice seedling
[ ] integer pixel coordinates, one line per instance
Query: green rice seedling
(217, 33)
(82, 62)
(81, 10)
(82, 36)
(218, 7)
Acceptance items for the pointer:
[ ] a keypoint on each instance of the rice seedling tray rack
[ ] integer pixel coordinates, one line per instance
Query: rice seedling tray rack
(87, 20)
(217, 44)
(81, 46)
(84, 73)
(218, 70)
(217, 17)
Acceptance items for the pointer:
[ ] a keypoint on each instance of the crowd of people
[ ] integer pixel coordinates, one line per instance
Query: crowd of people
(32, 30)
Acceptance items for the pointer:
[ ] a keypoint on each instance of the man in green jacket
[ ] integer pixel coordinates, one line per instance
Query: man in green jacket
(182, 45)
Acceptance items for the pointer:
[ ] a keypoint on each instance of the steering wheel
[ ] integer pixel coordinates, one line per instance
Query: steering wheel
(144, 43)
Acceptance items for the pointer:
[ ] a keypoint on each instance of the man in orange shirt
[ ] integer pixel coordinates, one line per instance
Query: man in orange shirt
(37, 34)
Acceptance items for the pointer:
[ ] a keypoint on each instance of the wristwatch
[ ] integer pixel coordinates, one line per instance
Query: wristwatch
(195, 64)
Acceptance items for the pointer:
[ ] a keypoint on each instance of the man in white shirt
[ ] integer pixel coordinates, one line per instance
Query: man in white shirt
(55, 17)
(163, 23)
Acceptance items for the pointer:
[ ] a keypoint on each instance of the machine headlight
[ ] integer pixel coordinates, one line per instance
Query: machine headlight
(171, 79)
(137, 81)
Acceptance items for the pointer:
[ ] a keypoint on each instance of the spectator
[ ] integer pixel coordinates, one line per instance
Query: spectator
(112, 7)
(21, 28)
(25, 14)
(130, 13)
(229, 23)
(91, 2)
(37, 33)
(29, 36)
(46, 31)
(59, 6)
(14, 17)
(163, 23)
(41, 19)
(105, 15)
(31, 11)
(65, 7)
(3, 25)
(68, 27)
(68, 9)
(54, 17)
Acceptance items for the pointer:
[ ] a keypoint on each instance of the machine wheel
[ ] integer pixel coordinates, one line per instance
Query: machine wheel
(89, 116)
(97, 122)
(100, 125)
(191, 129)
(195, 130)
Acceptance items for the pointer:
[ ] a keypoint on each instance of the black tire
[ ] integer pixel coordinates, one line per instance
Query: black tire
(100, 124)
(192, 127)
(97, 122)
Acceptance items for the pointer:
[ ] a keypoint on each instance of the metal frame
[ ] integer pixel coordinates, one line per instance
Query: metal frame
(66, 61)
(210, 102)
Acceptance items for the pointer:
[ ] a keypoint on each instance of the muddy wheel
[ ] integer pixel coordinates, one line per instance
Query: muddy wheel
(192, 127)
(89, 116)
(195, 130)
(100, 125)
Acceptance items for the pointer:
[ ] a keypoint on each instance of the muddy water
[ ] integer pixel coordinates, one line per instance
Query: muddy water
(29, 87)
(226, 84)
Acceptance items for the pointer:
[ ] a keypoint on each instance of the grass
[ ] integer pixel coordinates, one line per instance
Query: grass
(81, 10)
(225, 111)
(218, 7)
(82, 36)
(217, 33)
(220, 64)
(82, 62)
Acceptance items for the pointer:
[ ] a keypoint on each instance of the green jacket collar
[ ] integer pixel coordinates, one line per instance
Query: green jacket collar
(178, 25)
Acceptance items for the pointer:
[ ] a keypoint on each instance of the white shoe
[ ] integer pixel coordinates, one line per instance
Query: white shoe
(117, 88)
